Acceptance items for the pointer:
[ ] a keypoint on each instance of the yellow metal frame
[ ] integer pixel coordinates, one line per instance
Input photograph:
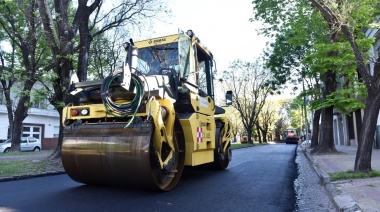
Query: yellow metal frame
(203, 105)
(163, 131)
(199, 151)
(157, 41)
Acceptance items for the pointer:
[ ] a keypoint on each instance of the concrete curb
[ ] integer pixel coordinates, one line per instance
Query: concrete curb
(23, 177)
(340, 198)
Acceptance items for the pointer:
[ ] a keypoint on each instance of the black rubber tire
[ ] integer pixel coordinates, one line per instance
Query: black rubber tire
(221, 159)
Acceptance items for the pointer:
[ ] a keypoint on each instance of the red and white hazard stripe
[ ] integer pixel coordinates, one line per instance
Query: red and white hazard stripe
(199, 134)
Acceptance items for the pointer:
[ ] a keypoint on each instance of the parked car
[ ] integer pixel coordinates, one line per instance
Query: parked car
(27, 144)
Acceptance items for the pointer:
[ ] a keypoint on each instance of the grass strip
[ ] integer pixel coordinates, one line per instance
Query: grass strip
(10, 168)
(344, 175)
(240, 145)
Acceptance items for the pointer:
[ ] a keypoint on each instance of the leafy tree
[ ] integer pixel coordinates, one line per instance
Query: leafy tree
(87, 19)
(106, 54)
(350, 18)
(247, 81)
(289, 62)
(21, 28)
(346, 18)
(279, 128)
(266, 118)
(235, 119)
(294, 40)
(124, 13)
(336, 62)
(295, 113)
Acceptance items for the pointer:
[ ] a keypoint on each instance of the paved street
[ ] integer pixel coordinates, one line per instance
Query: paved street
(258, 179)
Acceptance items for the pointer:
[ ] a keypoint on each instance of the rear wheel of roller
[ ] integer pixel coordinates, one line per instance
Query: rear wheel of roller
(222, 157)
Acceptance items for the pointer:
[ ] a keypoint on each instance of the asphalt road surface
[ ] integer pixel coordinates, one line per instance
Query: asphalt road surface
(258, 179)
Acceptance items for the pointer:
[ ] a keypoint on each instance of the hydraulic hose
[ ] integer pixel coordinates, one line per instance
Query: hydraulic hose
(122, 110)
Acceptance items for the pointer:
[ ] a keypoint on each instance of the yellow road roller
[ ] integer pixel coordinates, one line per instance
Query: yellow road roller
(140, 126)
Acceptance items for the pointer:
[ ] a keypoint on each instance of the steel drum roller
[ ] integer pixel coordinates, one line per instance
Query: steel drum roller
(116, 156)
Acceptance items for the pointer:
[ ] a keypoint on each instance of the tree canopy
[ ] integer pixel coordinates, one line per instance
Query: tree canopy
(342, 59)
(248, 83)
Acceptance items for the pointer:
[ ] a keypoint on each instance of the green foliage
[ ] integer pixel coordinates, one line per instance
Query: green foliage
(40, 95)
(358, 13)
(346, 100)
(295, 112)
(342, 60)
(279, 128)
(302, 44)
(351, 92)
(284, 59)
(273, 15)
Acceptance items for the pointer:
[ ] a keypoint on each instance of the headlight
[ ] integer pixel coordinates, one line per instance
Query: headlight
(84, 112)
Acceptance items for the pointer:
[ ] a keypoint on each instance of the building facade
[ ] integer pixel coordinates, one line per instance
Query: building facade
(347, 127)
(42, 123)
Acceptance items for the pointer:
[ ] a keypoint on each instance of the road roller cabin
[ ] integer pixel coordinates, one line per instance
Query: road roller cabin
(140, 126)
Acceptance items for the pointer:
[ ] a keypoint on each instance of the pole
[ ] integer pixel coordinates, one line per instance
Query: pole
(305, 113)
(301, 118)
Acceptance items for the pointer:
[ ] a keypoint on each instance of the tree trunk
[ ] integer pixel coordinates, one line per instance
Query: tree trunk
(250, 141)
(84, 50)
(259, 137)
(367, 132)
(61, 53)
(57, 152)
(20, 114)
(264, 133)
(61, 95)
(326, 141)
(315, 135)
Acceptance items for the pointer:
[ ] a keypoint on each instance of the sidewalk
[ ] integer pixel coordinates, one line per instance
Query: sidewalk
(348, 195)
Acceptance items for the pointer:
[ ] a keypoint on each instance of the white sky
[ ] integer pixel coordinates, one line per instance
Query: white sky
(222, 25)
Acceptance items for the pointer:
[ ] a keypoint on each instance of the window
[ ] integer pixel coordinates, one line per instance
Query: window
(32, 140)
(23, 140)
(205, 79)
(41, 105)
(202, 80)
(154, 59)
(56, 131)
(32, 131)
(184, 45)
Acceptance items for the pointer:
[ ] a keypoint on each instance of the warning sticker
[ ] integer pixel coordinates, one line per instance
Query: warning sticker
(199, 134)
(203, 102)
